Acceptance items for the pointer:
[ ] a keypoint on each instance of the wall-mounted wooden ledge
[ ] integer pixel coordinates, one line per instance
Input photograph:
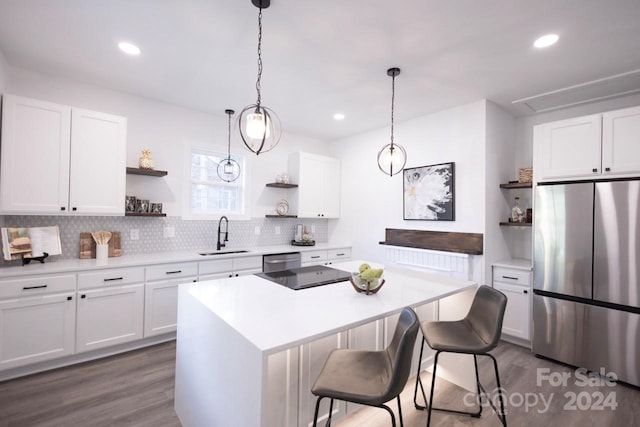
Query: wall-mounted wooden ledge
(464, 243)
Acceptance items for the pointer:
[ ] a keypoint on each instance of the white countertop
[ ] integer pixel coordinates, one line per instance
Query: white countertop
(273, 317)
(75, 265)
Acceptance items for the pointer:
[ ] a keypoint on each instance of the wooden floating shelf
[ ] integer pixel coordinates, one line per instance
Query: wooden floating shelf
(516, 224)
(281, 185)
(144, 214)
(148, 172)
(516, 185)
(281, 216)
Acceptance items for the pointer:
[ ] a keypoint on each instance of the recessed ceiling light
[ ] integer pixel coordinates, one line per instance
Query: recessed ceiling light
(129, 48)
(546, 41)
(338, 116)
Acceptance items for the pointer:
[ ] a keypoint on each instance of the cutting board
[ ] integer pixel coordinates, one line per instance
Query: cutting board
(88, 245)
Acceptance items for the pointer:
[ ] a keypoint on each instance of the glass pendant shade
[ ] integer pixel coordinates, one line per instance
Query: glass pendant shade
(259, 128)
(228, 169)
(392, 158)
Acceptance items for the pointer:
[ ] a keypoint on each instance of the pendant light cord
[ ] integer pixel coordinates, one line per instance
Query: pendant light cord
(229, 138)
(259, 58)
(393, 99)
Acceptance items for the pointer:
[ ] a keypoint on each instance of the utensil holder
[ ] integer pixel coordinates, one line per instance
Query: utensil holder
(102, 253)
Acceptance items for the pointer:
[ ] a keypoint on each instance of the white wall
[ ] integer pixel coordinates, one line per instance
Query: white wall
(372, 201)
(4, 69)
(500, 157)
(166, 130)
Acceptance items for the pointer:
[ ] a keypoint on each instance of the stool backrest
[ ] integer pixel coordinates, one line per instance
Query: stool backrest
(486, 314)
(400, 350)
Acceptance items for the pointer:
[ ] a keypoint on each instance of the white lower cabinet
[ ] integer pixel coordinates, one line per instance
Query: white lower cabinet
(229, 267)
(516, 285)
(325, 257)
(110, 308)
(312, 358)
(37, 319)
(161, 295)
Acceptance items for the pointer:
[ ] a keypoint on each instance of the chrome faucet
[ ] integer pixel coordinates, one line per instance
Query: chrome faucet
(226, 232)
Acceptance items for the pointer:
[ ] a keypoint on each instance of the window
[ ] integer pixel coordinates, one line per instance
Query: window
(210, 195)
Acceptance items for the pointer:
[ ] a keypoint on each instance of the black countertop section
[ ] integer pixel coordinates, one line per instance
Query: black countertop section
(306, 277)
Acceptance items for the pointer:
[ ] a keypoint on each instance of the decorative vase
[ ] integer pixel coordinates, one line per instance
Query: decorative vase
(145, 162)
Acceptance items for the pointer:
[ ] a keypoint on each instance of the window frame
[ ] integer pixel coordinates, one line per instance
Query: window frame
(245, 176)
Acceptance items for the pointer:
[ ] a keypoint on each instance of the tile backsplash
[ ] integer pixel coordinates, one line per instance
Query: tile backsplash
(188, 235)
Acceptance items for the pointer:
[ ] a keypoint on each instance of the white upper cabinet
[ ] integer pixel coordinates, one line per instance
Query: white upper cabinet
(57, 159)
(592, 146)
(318, 179)
(621, 141)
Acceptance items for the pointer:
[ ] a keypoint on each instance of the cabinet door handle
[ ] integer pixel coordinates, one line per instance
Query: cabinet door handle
(83, 296)
(339, 254)
(525, 291)
(113, 278)
(316, 256)
(26, 288)
(509, 277)
(607, 169)
(595, 169)
(62, 208)
(69, 298)
(174, 272)
(74, 209)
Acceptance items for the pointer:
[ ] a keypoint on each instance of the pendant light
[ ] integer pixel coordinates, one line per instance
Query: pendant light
(229, 169)
(392, 157)
(259, 125)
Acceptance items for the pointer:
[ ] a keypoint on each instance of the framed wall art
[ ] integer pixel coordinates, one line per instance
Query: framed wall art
(429, 192)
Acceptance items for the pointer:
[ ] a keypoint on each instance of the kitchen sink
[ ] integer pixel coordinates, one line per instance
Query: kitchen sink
(221, 253)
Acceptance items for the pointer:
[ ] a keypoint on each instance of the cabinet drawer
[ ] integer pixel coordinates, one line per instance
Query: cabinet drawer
(24, 287)
(247, 263)
(171, 271)
(512, 276)
(314, 256)
(111, 277)
(342, 253)
(216, 266)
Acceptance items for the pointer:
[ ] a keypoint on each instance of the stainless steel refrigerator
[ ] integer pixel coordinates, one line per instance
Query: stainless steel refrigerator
(586, 303)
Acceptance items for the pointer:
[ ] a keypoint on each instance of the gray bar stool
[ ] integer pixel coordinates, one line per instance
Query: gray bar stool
(370, 377)
(476, 334)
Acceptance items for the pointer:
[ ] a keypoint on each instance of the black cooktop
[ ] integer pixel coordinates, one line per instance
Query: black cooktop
(306, 277)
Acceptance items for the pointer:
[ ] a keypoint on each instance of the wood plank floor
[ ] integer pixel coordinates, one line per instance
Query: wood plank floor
(136, 389)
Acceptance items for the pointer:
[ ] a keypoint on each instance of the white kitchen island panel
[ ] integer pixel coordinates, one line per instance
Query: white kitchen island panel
(234, 333)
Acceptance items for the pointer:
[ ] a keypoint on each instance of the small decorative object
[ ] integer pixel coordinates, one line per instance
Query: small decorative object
(367, 280)
(285, 178)
(279, 179)
(517, 214)
(142, 206)
(392, 157)
(145, 161)
(525, 174)
(156, 208)
(283, 207)
(429, 192)
(130, 204)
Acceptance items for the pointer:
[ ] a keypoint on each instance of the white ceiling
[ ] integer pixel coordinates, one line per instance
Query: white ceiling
(322, 57)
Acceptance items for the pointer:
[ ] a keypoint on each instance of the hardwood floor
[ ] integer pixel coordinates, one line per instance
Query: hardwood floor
(136, 389)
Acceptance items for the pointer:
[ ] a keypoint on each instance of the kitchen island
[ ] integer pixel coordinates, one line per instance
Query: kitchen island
(239, 358)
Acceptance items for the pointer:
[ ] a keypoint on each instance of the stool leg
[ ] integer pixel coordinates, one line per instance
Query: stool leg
(399, 412)
(328, 424)
(419, 382)
(475, 362)
(315, 416)
(502, 416)
(433, 386)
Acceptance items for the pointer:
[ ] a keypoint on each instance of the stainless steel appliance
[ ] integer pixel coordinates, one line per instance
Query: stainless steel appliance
(586, 303)
(306, 277)
(279, 262)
